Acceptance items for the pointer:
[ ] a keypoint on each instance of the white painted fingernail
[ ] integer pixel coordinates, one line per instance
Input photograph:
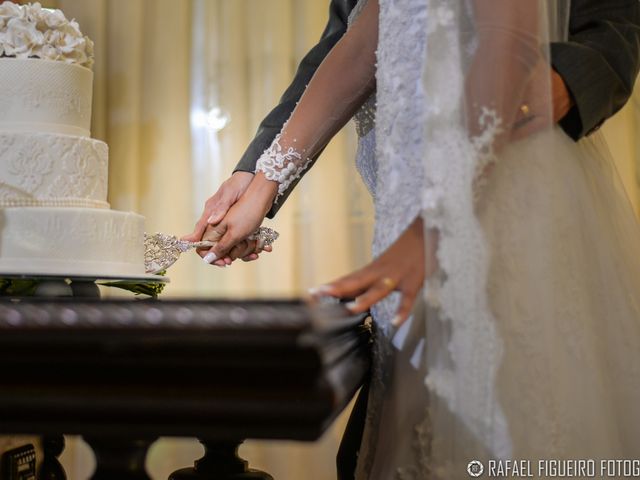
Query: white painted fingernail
(210, 258)
(351, 305)
(397, 321)
(321, 290)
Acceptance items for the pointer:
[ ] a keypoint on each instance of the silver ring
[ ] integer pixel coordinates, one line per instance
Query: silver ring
(264, 236)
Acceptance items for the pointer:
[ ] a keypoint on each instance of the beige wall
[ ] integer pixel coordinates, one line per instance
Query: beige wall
(622, 133)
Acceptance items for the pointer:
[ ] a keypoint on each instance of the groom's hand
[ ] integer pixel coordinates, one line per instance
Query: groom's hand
(536, 99)
(241, 220)
(217, 206)
(247, 250)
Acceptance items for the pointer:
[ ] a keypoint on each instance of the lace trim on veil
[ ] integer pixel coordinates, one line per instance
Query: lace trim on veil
(463, 373)
(441, 162)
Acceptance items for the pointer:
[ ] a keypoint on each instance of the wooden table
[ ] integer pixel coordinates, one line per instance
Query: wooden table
(123, 373)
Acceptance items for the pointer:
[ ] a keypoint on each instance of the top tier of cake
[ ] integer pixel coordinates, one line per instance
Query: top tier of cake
(45, 96)
(45, 72)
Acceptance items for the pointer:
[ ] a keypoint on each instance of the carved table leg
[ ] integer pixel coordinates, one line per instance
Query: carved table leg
(118, 458)
(220, 462)
(50, 468)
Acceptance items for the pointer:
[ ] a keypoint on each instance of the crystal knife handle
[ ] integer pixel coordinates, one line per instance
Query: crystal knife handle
(162, 250)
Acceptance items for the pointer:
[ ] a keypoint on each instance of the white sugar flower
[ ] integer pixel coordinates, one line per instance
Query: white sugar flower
(22, 38)
(65, 40)
(9, 10)
(77, 56)
(73, 26)
(33, 12)
(32, 31)
(69, 40)
(49, 52)
(54, 18)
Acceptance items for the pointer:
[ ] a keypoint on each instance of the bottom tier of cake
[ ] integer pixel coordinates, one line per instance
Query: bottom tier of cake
(71, 241)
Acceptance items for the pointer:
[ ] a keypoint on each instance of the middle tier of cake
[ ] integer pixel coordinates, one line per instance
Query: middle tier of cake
(46, 169)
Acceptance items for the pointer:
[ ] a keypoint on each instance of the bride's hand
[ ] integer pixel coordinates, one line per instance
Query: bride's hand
(217, 206)
(242, 219)
(402, 267)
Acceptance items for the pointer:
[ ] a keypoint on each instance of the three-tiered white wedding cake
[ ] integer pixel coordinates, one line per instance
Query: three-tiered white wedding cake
(54, 217)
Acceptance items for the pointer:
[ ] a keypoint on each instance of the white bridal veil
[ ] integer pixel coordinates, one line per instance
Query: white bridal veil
(533, 323)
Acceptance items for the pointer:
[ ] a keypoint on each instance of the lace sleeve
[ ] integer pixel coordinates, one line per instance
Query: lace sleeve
(282, 165)
(342, 83)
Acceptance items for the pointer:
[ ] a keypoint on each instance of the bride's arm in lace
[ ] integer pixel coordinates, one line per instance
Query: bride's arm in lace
(506, 55)
(342, 83)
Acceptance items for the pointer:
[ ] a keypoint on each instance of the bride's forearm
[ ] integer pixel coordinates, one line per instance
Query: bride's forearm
(262, 193)
(341, 84)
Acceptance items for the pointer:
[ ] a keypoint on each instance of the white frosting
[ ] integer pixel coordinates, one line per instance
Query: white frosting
(30, 31)
(54, 219)
(44, 96)
(42, 169)
(71, 241)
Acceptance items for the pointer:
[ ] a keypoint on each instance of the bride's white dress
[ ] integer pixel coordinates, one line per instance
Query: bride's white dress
(533, 348)
(526, 342)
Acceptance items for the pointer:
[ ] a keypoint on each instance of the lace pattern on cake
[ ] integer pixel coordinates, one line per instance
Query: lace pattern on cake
(52, 170)
(282, 165)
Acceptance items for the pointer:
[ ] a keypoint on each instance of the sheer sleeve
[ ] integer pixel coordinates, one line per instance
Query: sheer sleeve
(342, 83)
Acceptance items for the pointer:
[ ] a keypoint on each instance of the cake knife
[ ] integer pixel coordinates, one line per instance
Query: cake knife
(162, 250)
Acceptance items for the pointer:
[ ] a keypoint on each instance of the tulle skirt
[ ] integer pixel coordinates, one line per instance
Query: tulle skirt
(564, 288)
(564, 292)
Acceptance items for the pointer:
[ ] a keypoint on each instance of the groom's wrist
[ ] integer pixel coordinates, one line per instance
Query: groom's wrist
(563, 102)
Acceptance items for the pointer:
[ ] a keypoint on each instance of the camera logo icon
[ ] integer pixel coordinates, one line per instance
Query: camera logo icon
(475, 468)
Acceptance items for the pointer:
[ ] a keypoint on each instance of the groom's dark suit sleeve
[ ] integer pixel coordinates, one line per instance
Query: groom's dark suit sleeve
(600, 62)
(273, 122)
